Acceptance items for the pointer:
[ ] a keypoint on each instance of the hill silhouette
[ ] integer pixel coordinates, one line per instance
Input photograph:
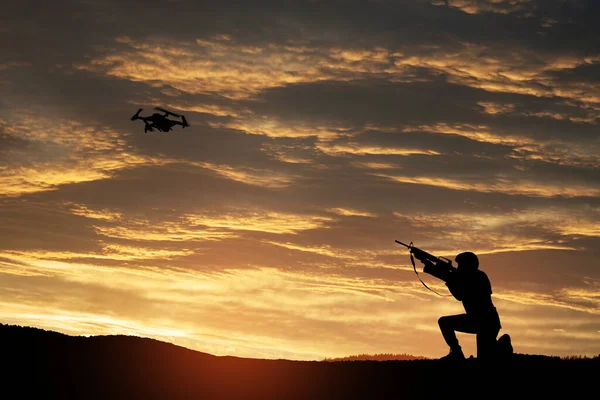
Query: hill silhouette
(51, 365)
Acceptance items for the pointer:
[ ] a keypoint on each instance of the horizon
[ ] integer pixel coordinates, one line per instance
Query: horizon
(318, 135)
(350, 357)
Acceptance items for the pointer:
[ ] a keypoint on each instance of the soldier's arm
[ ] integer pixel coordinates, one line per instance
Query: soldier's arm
(456, 287)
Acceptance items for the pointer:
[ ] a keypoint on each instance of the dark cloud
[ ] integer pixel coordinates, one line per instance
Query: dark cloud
(408, 104)
(11, 145)
(588, 74)
(557, 268)
(406, 22)
(368, 102)
(44, 225)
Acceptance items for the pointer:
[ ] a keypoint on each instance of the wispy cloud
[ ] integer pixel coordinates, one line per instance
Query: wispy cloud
(513, 186)
(562, 152)
(62, 152)
(494, 6)
(516, 231)
(251, 176)
(223, 65)
(259, 220)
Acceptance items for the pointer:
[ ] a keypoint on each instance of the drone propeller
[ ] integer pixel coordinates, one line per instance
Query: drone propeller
(167, 112)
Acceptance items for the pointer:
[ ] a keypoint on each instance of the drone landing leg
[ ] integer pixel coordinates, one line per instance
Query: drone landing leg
(148, 127)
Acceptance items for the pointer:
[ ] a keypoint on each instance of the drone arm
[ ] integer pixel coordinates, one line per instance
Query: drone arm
(137, 115)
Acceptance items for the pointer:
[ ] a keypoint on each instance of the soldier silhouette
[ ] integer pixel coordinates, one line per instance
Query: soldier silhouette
(472, 287)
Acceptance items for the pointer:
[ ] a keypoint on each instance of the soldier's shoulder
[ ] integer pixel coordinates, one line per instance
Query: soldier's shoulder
(481, 274)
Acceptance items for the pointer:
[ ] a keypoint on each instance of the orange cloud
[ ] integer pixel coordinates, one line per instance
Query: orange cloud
(521, 72)
(356, 149)
(500, 185)
(167, 231)
(293, 154)
(108, 252)
(479, 6)
(375, 165)
(250, 176)
(493, 108)
(222, 65)
(567, 298)
(69, 152)
(259, 220)
(278, 129)
(564, 152)
(85, 211)
(489, 231)
(219, 65)
(328, 251)
(350, 212)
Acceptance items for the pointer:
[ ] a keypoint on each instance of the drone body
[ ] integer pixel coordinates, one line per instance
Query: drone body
(160, 121)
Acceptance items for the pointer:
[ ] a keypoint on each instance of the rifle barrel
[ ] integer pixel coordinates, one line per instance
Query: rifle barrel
(405, 245)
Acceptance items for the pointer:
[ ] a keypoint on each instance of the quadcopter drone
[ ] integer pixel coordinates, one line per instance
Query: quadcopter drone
(160, 121)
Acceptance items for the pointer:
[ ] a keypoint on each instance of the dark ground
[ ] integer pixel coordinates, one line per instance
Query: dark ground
(40, 364)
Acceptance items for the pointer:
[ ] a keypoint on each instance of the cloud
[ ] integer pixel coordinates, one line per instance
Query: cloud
(252, 176)
(494, 6)
(235, 70)
(501, 185)
(569, 301)
(350, 212)
(53, 153)
(259, 221)
(559, 151)
(217, 66)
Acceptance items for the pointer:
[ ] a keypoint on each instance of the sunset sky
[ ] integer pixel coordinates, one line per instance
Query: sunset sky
(321, 132)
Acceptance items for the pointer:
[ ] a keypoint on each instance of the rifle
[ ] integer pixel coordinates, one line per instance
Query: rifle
(439, 267)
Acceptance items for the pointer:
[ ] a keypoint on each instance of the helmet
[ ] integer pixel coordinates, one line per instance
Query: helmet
(467, 261)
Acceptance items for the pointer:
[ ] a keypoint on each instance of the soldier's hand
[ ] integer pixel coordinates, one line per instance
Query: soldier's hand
(427, 266)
